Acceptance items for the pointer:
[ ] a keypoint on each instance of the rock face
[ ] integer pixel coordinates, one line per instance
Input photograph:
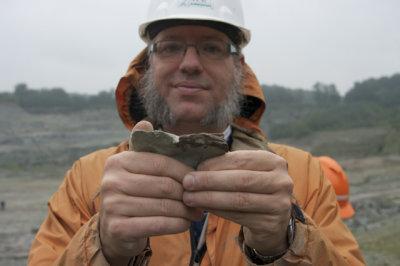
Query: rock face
(189, 149)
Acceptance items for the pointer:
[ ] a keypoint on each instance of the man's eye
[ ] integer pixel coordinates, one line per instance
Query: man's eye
(170, 48)
(212, 49)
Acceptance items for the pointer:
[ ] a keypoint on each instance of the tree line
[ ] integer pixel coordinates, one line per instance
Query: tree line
(290, 112)
(297, 112)
(383, 91)
(56, 100)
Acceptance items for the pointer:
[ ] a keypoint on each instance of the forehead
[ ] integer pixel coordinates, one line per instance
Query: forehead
(191, 32)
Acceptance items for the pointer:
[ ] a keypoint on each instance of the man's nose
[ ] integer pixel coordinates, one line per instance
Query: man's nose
(191, 61)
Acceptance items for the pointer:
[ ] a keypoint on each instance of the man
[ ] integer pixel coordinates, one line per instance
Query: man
(123, 207)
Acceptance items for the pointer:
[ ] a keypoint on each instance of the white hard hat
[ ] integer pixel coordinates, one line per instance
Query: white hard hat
(228, 12)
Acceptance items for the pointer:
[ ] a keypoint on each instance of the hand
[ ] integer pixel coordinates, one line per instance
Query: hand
(251, 188)
(141, 196)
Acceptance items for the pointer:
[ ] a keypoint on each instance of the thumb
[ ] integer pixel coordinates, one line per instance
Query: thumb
(142, 125)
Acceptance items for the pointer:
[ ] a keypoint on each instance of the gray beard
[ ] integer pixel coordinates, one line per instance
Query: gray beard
(159, 113)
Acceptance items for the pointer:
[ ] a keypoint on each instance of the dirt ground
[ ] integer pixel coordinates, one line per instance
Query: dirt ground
(36, 150)
(23, 214)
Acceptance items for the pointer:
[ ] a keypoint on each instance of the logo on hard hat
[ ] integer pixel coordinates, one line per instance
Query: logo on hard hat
(197, 3)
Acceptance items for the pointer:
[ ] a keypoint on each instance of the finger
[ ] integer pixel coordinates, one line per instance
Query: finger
(147, 164)
(265, 182)
(142, 125)
(245, 160)
(258, 222)
(150, 186)
(142, 207)
(237, 201)
(133, 228)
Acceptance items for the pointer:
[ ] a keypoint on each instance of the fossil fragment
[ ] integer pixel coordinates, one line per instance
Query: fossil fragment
(189, 149)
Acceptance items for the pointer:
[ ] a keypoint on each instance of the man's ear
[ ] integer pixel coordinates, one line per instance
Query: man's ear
(241, 60)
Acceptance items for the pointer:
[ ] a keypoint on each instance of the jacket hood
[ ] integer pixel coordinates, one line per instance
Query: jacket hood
(131, 110)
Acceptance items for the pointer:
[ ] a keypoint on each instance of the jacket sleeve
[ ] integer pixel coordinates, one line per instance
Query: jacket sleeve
(69, 235)
(321, 238)
(323, 221)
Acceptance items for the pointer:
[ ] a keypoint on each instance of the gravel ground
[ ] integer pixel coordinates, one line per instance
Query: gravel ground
(36, 150)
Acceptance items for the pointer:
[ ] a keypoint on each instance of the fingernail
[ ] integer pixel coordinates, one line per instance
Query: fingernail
(188, 182)
(188, 198)
(201, 167)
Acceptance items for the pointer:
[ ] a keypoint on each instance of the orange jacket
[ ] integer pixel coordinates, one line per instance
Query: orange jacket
(69, 235)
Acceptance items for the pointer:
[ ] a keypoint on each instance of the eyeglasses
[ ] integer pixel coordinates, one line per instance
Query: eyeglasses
(209, 49)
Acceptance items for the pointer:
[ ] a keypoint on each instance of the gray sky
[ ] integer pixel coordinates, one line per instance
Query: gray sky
(86, 45)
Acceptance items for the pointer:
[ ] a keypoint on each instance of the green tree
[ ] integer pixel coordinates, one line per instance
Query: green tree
(384, 91)
(325, 94)
(6, 97)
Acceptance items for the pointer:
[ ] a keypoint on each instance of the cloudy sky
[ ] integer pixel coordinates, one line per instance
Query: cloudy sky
(86, 45)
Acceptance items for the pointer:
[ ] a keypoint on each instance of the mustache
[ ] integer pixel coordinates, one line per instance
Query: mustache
(195, 83)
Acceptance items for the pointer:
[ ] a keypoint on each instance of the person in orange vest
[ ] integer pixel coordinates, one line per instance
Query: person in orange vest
(337, 176)
(260, 203)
